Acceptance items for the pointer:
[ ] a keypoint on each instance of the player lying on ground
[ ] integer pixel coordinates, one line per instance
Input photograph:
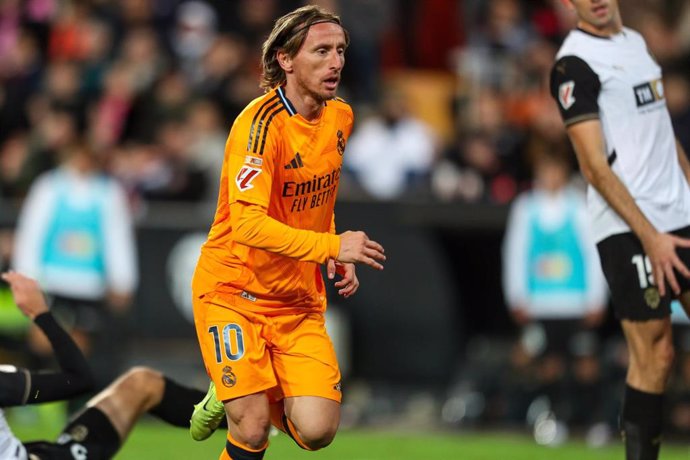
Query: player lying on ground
(100, 429)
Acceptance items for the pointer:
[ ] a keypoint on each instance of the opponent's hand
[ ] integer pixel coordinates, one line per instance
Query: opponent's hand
(661, 250)
(27, 294)
(357, 248)
(348, 284)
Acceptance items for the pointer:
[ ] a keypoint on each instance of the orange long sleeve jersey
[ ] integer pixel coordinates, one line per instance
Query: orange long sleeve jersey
(274, 221)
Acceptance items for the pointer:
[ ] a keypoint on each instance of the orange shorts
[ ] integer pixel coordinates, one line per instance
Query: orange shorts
(284, 355)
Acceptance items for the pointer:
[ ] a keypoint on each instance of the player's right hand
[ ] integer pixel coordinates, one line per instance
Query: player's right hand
(661, 250)
(357, 248)
(27, 294)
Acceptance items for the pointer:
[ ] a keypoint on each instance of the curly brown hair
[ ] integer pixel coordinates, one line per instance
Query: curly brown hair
(288, 35)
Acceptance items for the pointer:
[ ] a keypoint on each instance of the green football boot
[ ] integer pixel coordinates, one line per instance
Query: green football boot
(207, 415)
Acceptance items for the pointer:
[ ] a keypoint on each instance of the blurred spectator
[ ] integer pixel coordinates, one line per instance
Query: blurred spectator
(97, 47)
(13, 157)
(142, 54)
(75, 235)
(551, 19)
(68, 34)
(167, 100)
(226, 75)
(182, 178)
(553, 284)
(207, 145)
(474, 172)
(483, 164)
(408, 42)
(662, 40)
(193, 34)
(391, 154)
(366, 22)
(54, 129)
(111, 111)
(494, 46)
(253, 20)
(20, 74)
(63, 92)
(10, 25)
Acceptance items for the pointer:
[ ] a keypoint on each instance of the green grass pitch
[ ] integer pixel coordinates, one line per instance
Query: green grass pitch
(153, 440)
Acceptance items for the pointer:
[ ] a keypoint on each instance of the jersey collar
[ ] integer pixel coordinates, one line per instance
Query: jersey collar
(286, 102)
(603, 37)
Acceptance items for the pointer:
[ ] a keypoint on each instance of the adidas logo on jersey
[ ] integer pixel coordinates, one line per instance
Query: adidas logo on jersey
(295, 163)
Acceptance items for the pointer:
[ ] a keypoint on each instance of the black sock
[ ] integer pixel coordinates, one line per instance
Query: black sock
(177, 404)
(237, 452)
(94, 428)
(641, 424)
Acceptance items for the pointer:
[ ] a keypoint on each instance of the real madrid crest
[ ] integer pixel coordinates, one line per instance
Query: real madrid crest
(229, 378)
(341, 142)
(652, 298)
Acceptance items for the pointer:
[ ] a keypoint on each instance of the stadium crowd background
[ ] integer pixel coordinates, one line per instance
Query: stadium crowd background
(451, 100)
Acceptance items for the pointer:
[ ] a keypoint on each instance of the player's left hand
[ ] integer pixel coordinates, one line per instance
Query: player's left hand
(349, 283)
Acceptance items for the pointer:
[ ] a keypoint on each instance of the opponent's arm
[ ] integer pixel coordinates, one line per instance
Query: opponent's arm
(588, 141)
(29, 387)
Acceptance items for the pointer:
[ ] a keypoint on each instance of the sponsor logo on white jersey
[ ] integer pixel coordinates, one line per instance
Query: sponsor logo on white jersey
(649, 92)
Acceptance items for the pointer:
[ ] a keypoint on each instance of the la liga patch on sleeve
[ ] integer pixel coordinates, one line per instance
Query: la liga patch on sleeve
(245, 177)
(565, 94)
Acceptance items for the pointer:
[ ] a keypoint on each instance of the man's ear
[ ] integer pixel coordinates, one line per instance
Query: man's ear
(284, 61)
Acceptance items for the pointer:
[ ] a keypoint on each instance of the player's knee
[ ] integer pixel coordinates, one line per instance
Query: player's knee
(141, 378)
(254, 431)
(317, 436)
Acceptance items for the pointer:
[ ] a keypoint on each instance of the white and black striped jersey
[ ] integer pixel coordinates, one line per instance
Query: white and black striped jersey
(616, 80)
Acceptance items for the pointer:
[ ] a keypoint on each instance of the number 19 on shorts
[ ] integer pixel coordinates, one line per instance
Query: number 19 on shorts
(644, 270)
(233, 343)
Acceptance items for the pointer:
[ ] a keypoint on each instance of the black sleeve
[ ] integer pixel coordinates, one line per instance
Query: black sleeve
(575, 87)
(75, 376)
(13, 386)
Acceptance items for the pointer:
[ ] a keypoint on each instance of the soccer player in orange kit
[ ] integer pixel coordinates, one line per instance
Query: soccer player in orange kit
(259, 297)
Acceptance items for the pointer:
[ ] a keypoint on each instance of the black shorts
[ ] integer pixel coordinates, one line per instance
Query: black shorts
(90, 436)
(629, 276)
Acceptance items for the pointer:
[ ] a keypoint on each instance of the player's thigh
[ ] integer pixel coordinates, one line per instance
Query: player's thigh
(234, 349)
(628, 273)
(313, 415)
(304, 359)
